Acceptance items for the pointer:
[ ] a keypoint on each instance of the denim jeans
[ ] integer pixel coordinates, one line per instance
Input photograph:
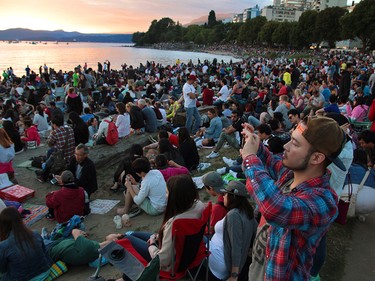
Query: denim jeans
(190, 113)
(253, 121)
(139, 243)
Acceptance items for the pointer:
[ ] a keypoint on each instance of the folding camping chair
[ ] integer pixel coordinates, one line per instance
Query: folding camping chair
(189, 252)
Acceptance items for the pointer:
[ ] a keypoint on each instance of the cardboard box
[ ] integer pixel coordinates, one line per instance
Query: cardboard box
(17, 193)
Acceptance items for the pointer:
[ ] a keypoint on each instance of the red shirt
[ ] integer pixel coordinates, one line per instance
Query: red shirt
(283, 91)
(173, 139)
(208, 96)
(218, 212)
(66, 202)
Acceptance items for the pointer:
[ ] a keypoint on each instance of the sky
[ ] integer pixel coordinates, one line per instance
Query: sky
(110, 16)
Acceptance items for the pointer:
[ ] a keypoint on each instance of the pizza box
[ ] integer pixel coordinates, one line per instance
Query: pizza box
(17, 193)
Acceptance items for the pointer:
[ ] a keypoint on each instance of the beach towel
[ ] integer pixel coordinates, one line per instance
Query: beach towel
(37, 213)
(102, 206)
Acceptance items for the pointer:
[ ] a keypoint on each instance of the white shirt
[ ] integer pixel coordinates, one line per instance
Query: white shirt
(153, 187)
(216, 262)
(41, 121)
(188, 102)
(123, 125)
(224, 91)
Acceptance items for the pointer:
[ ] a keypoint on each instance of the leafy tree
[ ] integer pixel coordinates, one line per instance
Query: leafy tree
(211, 19)
(265, 34)
(249, 31)
(191, 32)
(281, 34)
(328, 25)
(295, 38)
(307, 28)
(232, 31)
(360, 23)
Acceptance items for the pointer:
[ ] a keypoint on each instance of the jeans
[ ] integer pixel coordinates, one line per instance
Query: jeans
(139, 243)
(253, 121)
(229, 138)
(190, 113)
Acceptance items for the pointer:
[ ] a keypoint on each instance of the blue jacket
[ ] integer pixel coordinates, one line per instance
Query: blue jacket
(22, 266)
(214, 131)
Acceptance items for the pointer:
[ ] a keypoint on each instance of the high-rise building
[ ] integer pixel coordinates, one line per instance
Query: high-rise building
(320, 5)
(251, 13)
(281, 13)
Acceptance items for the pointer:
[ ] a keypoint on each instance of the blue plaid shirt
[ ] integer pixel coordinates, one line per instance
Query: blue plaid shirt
(298, 220)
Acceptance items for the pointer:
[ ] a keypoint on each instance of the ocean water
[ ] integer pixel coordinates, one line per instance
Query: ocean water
(67, 56)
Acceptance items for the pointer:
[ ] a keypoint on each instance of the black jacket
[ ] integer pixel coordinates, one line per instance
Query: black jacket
(87, 179)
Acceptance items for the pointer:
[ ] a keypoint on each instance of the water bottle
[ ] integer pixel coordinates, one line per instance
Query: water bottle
(117, 221)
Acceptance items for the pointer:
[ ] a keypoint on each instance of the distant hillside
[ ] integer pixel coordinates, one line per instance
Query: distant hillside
(203, 19)
(24, 34)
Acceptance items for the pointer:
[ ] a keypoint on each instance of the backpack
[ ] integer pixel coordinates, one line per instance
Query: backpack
(112, 134)
(64, 230)
(59, 163)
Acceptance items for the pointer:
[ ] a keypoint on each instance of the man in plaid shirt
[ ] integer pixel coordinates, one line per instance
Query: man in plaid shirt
(293, 196)
(61, 138)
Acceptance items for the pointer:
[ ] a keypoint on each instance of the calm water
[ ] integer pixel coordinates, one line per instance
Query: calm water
(66, 57)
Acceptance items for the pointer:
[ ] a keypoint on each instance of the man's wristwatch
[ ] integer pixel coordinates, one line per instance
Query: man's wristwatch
(234, 274)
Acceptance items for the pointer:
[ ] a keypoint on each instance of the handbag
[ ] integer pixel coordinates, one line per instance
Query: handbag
(353, 201)
(344, 203)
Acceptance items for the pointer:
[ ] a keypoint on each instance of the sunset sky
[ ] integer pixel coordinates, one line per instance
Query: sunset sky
(110, 16)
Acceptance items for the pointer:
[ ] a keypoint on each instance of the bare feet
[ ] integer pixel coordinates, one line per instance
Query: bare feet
(120, 211)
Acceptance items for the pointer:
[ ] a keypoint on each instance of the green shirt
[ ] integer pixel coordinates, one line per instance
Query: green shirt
(75, 252)
(75, 79)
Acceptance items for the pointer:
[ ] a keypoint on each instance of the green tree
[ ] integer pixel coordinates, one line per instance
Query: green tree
(307, 28)
(191, 32)
(281, 34)
(232, 31)
(211, 19)
(249, 31)
(295, 38)
(360, 23)
(328, 25)
(265, 34)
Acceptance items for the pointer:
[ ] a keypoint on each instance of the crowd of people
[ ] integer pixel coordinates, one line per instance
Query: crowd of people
(298, 127)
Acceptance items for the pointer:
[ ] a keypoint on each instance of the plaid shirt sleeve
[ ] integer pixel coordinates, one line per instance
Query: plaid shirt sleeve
(299, 212)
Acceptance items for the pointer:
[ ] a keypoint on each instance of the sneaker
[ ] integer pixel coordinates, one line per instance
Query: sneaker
(221, 171)
(45, 233)
(203, 166)
(212, 155)
(228, 161)
(152, 140)
(315, 278)
(50, 217)
(233, 173)
(134, 213)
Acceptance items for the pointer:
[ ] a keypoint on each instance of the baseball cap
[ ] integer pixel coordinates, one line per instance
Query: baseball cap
(67, 176)
(236, 188)
(214, 180)
(325, 135)
(43, 102)
(192, 77)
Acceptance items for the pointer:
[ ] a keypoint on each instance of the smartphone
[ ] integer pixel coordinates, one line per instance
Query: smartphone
(53, 180)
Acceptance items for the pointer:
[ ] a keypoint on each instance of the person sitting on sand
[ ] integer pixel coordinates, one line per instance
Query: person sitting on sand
(150, 196)
(169, 168)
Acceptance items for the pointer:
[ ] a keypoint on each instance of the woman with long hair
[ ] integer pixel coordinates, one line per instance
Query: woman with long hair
(188, 149)
(7, 154)
(170, 152)
(122, 120)
(231, 244)
(80, 128)
(40, 119)
(183, 202)
(14, 136)
(23, 256)
(73, 102)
